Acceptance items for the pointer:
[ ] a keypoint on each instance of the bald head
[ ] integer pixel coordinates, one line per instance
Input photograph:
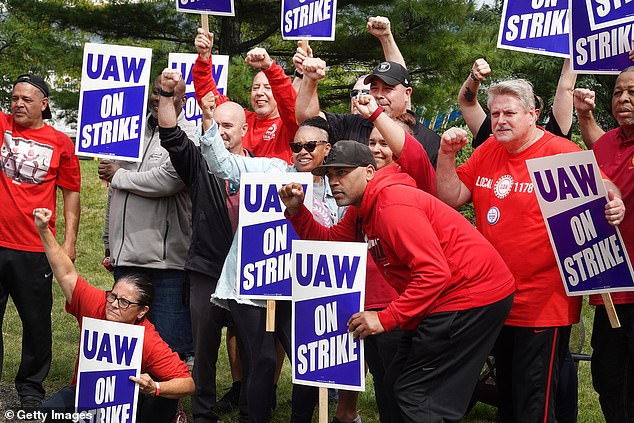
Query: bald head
(232, 125)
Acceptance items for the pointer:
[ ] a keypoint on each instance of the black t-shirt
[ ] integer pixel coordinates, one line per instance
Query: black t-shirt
(485, 130)
(357, 128)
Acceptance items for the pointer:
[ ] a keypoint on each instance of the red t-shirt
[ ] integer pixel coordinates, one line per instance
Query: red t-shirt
(615, 154)
(508, 215)
(33, 163)
(267, 137)
(157, 360)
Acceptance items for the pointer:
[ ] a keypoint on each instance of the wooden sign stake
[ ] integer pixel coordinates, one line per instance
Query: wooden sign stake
(323, 405)
(609, 308)
(270, 315)
(303, 44)
(204, 22)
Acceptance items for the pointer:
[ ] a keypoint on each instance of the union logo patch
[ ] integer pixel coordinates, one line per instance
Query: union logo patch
(503, 186)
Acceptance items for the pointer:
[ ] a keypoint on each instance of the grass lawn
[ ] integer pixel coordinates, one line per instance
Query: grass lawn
(89, 255)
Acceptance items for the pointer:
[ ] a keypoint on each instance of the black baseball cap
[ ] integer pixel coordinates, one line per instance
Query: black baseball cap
(346, 153)
(391, 73)
(39, 83)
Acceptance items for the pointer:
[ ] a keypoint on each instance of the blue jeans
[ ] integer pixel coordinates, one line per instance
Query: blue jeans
(170, 310)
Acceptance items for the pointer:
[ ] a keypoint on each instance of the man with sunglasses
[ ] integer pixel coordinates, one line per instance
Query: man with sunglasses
(389, 84)
(25, 275)
(215, 206)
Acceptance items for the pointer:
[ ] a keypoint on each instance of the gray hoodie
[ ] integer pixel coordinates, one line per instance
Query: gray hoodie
(148, 216)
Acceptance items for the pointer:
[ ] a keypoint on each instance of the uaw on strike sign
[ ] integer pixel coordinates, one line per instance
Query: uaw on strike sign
(109, 353)
(265, 236)
(589, 251)
(328, 288)
(113, 101)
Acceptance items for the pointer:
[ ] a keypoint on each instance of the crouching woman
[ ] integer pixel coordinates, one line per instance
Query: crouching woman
(164, 377)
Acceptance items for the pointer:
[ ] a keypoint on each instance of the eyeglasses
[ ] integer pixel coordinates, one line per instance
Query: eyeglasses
(355, 93)
(123, 303)
(309, 146)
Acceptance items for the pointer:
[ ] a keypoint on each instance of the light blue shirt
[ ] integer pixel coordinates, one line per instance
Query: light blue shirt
(230, 166)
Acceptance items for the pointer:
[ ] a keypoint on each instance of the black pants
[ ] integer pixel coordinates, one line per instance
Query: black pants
(149, 409)
(27, 278)
(437, 365)
(613, 363)
(258, 357)
(380, 350)
(528, 363)
(207, 323)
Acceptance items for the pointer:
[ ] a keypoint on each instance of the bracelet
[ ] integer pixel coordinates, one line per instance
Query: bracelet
(298, 75)
(375, 114)
(158, 389)
(164, 93)
(474, 78)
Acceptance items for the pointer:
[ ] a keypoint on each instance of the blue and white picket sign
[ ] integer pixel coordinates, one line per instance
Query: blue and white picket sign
(185, 62)
(309, 19)
(109, 353)
(265, 236)
(535, 26)
(601, 36)
(209, 7)
(328, 288)
(590, 252)
(113, 101)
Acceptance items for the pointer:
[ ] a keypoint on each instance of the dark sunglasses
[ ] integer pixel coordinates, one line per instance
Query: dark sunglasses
(355, 93)
(309, 146)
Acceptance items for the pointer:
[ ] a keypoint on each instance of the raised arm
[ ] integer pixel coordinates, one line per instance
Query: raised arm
(281, 87)
(202, 70)
(563, 102)
(470, 108)
(380, 27)
(72, 210)
(303, 51)
(220, 161)
(307, 103)
(450, 188)
(62, 266)
(292, 195)
(583, 100)
(393, 134)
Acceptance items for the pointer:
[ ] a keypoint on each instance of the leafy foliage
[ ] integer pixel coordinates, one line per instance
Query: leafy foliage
(439, 39)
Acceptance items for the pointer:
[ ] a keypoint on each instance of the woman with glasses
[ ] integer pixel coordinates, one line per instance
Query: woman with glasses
(164, 377)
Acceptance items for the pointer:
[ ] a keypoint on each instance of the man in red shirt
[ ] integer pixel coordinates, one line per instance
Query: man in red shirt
(454, 289)
(35, 160)
(613, 349)
(271, 124)
(495, 178)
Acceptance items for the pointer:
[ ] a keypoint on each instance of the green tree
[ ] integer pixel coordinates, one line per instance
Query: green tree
(439, 39)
